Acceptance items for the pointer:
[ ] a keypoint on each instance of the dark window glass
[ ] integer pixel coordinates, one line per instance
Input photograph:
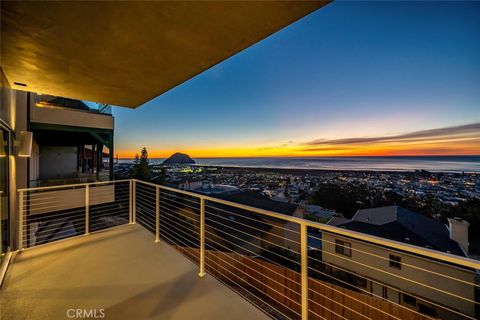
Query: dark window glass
(395, 262)
(360, 282)
(408, 299)
(343, 248)
(429, 311)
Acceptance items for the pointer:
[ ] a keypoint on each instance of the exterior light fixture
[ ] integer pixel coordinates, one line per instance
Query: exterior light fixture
(24, 148)
(3, 145)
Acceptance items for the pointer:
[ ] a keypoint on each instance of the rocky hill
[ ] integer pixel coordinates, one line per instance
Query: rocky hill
(179, 158)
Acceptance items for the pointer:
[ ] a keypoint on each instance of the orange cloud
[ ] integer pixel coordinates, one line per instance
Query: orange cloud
(458, 140)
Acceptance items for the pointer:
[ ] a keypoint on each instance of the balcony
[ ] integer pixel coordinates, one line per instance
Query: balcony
(52, 110)
(141, 250)
(121, 271)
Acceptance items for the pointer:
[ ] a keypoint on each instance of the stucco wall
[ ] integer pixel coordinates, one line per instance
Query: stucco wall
(14, 114)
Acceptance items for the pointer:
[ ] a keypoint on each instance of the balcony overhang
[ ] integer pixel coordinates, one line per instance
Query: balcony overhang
(126, 53)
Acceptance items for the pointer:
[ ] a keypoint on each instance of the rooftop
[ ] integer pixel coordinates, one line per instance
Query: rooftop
(399, 224)
(258, 200)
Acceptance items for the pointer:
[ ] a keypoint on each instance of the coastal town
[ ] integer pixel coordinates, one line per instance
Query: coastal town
(433, 210)
(438, 191)
(295, 186)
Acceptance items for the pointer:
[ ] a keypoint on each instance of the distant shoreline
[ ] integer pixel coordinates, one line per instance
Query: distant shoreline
(434, 164)
(318, 170)
(327, 157)
(327, 170)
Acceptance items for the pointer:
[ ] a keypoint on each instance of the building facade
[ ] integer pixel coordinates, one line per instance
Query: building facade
(47, 140)
(426, 285)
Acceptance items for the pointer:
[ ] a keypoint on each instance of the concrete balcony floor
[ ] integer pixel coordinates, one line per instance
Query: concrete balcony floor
(121, 270)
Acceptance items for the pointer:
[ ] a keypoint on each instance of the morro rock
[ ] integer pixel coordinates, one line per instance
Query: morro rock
(179, 158)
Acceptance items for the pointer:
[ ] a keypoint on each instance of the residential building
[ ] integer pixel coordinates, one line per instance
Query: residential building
(394, 274)
(278, 234)
(74, 136)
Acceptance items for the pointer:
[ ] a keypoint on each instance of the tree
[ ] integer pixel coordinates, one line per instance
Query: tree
(141, 169)
(161, 177)
(345, 200)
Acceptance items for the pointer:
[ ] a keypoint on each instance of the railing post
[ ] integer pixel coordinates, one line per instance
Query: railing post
(87, 208)
(130, 201)
(157, 214)
(304, 270)
(20, 220)
(202, 238)
(134, 201)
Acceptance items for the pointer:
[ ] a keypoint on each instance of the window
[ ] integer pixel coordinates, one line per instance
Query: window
(348, 277)
(395, 262)
(385, 292)
(429, 311)
(409, 300)
(344, 248)
(360, 282)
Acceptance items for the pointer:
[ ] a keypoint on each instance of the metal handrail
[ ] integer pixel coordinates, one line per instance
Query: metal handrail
(429, 253)
(304, 287)
(440, 258)
(408, 248)
(73, 185)
(52, 205)
(136, 195)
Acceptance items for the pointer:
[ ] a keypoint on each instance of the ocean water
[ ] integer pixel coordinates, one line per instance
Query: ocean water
(429, 163)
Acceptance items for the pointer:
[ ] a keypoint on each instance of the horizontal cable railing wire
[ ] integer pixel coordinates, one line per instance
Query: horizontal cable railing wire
(54, 213)
(179, 222)
(51, 214)
(145, 207)
(109, 205)
(239, 243)
(257, 253)
(341, 276)
(288, 267)
(398, 277)
(408, 265)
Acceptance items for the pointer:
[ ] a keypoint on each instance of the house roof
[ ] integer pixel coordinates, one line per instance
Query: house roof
(258, 200)
(319, 211)
(377, 216)
(242, 226)
(337, 221)
(399, 224)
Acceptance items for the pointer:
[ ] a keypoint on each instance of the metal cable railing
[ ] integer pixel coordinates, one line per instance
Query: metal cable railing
(48, 214)
(288, 267)
(259, 254)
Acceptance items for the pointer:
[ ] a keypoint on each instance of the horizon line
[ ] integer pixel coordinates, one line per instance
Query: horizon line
(325, 156)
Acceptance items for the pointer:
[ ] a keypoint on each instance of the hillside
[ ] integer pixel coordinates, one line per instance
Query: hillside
(179, 158)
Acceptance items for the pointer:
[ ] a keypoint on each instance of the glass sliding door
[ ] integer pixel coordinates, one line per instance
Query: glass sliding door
(4, 177)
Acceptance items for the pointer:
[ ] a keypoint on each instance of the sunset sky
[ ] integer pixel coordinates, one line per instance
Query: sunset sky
(353, 78)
